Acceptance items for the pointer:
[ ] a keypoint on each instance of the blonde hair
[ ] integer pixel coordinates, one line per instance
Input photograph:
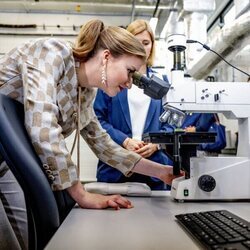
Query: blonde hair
(94, 36)
(137, 27)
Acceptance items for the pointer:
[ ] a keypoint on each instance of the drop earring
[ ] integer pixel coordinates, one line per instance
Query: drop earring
(104, 74)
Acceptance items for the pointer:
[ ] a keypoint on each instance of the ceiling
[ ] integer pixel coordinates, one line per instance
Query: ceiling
(129, 8)
(125, 10)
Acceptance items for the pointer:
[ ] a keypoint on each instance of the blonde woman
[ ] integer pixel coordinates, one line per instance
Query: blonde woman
(55, 83)
(130, 114)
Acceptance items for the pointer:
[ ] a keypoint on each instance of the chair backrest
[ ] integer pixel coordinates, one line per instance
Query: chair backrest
(46, 209)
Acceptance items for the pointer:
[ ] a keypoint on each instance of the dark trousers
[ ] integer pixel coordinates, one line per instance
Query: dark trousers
(13, 216)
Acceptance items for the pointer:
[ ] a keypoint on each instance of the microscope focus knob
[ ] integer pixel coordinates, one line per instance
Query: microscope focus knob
(206, 183)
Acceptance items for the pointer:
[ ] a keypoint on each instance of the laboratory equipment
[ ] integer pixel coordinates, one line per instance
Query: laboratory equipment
(210, 178)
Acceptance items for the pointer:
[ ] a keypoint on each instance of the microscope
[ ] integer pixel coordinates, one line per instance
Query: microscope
(208, 178)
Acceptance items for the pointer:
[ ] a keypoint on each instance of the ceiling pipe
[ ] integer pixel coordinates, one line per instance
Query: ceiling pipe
(172, 18)
(228, 43)
(156, 8)
(46, 5)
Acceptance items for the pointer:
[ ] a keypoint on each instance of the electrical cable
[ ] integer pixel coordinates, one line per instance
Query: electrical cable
(209, 49)
(156, 7)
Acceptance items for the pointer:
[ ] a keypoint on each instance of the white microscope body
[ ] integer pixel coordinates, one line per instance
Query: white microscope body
(214, 178)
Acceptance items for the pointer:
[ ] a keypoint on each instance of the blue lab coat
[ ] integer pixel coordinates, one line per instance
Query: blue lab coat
(202, 121)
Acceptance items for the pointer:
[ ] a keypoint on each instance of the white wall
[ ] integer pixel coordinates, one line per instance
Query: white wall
(46, 26)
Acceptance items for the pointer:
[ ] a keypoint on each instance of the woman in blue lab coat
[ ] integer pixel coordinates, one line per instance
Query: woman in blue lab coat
(130, 114)
(198, 122)
(207, 122)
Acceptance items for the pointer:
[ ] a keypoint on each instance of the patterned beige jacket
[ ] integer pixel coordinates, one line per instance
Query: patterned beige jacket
(41, 75)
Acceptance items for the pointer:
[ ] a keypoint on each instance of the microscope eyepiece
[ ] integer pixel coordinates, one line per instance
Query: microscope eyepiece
(154, 87)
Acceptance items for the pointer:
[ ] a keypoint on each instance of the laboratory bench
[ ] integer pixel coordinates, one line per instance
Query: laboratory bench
(150, 225)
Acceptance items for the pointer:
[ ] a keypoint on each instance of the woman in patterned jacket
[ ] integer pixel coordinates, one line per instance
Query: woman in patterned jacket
(55, 83)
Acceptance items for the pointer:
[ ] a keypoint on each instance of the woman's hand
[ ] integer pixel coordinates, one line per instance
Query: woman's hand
(97, 201)
(132, 144)
(154, 169)
(190, 129)
(167, 175)
(147, 150)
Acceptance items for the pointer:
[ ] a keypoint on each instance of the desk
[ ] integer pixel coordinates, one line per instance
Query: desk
(150, 225)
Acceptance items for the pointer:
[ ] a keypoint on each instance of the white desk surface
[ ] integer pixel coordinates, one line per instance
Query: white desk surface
(150, 225)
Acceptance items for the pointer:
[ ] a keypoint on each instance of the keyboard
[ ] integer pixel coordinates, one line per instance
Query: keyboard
(218, 230)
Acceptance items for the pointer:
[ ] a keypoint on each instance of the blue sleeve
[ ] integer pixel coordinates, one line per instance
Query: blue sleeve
(205, 121)
(167, 128)
(101, 108)
(191, 120)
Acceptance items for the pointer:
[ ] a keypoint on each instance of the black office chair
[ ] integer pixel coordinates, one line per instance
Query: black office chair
(45, 209)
